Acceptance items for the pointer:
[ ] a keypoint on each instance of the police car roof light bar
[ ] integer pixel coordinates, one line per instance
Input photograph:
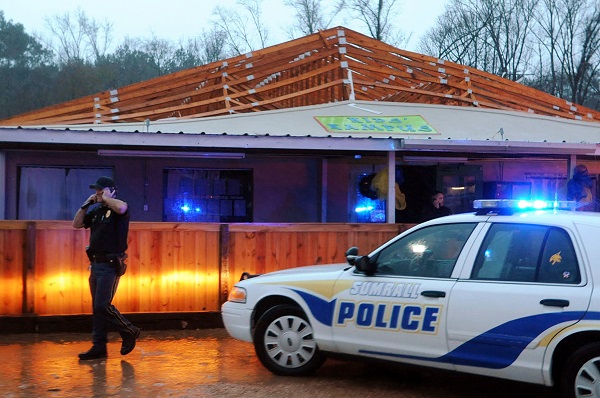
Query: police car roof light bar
(509, 206)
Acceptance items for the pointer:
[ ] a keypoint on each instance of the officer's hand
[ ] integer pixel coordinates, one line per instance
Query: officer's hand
(89, 201)
(94, 198)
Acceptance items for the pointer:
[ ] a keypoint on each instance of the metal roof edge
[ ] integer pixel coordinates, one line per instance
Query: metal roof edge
(124, 139)
(505, 146)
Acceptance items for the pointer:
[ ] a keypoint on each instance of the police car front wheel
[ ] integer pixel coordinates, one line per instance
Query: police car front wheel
(581, 376)
(284, 342)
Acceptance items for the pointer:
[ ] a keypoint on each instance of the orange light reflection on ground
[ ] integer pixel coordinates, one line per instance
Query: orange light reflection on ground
(159, 366)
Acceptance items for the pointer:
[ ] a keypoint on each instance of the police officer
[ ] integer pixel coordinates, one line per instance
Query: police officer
(579, 188)
(109, 226)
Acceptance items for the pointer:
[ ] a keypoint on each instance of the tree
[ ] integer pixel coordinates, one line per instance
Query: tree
(243, 31)
(375, 14)
(18, 49)
(311, 16)
(455, 37)
(568, 33)
(25, 70)
(79, 37)
(579, 47)
(161, 53)
(127, 65)
(492, 35)
(76, 79)
(552, 45)
(213, 46)
(206, 48)
(549, 24)
(508, 29)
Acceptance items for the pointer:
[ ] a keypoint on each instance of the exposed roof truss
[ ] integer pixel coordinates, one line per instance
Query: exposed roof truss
(333, 65)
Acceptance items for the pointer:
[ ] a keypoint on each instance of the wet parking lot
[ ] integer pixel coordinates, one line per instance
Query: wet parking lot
(208, 363)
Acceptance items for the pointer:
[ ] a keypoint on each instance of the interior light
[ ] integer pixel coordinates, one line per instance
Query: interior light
(418, 248)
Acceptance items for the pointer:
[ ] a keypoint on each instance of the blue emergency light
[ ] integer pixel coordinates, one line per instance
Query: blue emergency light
(510, 206)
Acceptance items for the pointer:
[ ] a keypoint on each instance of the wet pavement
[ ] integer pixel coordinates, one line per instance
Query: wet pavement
(208, 363)
(163, 364)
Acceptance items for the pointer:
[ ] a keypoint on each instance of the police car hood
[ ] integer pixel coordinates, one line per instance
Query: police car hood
(303, 273)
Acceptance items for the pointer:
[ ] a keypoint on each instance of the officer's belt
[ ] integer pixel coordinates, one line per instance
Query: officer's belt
(100, 258)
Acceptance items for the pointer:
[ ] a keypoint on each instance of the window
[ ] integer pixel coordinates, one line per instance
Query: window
(367, 207)
(208, 195)
(428, 252)
(54, 193)
(527, 253)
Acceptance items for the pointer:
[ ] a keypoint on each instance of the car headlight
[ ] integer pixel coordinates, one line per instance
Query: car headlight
(237, 295)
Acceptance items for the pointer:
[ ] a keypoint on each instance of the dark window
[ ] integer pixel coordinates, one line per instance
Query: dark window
(54, 193)
(208, 195)
(427, 252)
(527, 253)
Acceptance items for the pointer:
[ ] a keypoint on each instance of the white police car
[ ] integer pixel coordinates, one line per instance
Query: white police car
(502, 293)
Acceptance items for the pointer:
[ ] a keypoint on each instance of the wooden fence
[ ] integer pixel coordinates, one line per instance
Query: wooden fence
(172, 267)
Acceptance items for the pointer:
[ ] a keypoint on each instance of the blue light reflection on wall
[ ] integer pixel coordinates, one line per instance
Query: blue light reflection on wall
(207, 195)
(187, 209)
(190, 210)
(369, 210)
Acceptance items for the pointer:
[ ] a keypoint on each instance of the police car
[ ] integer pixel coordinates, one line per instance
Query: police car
(507, 291)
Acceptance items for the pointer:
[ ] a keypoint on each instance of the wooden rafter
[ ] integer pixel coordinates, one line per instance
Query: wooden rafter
(307, 71)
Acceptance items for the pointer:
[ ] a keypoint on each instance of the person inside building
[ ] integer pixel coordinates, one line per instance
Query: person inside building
(435, 208)
(109, 227)
(579, 188)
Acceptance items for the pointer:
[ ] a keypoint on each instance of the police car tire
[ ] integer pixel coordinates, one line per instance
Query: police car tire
(582, 368)
(285, 344)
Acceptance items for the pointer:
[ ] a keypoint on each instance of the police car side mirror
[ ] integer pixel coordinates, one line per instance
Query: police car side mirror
(351, 255)
(364, 264)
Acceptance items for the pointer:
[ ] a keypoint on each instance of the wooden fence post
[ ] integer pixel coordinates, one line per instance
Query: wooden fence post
(29, 269)
(223, 262)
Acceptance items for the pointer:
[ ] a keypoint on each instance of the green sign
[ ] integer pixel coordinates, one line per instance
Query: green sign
(381, 124)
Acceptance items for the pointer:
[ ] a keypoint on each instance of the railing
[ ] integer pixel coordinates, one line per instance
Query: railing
(172, 267)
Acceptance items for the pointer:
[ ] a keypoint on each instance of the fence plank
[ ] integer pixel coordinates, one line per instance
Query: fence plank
(12, 243)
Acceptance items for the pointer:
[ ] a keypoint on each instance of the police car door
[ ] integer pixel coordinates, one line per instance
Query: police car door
(399, 313)
(526, 284)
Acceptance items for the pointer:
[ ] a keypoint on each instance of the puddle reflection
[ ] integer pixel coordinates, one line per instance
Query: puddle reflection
(159, 366)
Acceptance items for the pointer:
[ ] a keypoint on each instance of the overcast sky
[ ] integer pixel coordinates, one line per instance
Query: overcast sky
(181, 19)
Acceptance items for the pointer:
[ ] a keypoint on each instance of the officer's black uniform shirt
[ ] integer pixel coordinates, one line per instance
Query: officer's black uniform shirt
(108, 230)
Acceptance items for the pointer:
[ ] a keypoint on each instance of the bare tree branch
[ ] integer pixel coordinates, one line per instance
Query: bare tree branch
(311, 16)
(240, 33)
(375, 14)
(79, 37)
